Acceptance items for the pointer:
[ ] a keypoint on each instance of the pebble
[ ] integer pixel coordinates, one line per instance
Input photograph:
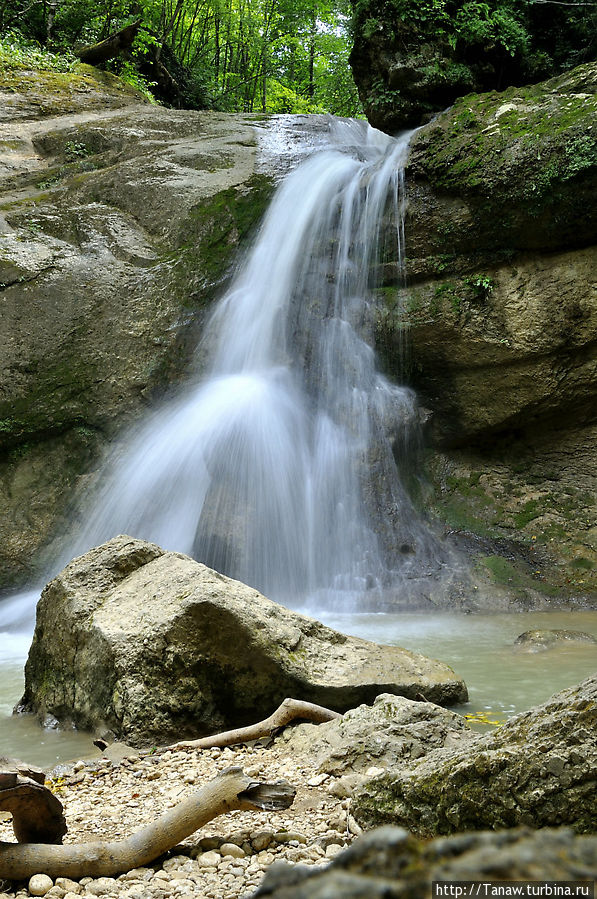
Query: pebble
(232, 849)
(69, 886)
(209, 859)
(40, 884)
(101, 886)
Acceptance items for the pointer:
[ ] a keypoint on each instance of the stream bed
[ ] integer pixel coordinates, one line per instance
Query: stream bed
(501, 678)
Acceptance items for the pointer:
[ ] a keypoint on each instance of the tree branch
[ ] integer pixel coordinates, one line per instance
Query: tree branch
(230, 790)
(288, 711)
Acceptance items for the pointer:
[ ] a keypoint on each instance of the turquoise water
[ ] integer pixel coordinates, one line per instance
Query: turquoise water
(502, 680)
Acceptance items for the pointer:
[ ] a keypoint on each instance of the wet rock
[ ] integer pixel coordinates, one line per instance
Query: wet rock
(535, 641)
(538, 769)
(501, 318)
(161, 647)
(393, 731)
(389, 863)
(119, 222)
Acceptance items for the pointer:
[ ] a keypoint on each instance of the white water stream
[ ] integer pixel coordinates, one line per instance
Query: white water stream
(280, 465)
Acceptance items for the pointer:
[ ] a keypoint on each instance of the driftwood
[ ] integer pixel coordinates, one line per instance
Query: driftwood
(232, 789)
(37, 815)
(289, 710)
(116, 43)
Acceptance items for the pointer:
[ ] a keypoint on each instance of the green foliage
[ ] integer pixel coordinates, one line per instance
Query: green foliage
(479, 24)
(74, 150)
(129, 73)
(17, 52)
(485, 43)
(262, 55)
(481, 285)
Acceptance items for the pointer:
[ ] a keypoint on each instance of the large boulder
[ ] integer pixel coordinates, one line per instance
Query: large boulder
(412, 59)
(393, 731)
(155, 646)
(538, 769)
(389, 863)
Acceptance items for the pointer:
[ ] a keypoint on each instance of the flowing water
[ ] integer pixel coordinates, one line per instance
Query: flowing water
(281, 465)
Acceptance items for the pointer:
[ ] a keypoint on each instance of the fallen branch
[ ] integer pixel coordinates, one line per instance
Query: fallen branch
(288, 711)
(231, 790)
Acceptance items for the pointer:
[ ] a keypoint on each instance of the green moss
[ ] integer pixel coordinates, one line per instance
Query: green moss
(516, 576)
(583, 564)
(225, 220)
(545, 132)
(531, 510)
(57, 402)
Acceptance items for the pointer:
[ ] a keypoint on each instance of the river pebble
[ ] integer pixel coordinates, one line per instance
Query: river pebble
(40, 884)
(226, 859)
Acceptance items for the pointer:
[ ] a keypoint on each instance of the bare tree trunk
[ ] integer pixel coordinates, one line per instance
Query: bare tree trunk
(287, 711)
(50, 20)
(230, 790)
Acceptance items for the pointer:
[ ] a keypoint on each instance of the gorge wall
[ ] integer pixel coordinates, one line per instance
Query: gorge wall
(119, 223)
(500, 321)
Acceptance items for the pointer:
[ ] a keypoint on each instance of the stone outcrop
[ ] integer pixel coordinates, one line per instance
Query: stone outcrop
(392, 732)
(155, 646)
(500, 324)
(389, 863)
(410, 60)
(119, 223)
(538, 769)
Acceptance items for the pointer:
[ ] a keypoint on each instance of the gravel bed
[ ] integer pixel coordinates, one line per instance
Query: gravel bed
(105, 799)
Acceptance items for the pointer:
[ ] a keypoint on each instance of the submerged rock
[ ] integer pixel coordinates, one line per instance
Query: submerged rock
(155, 646)
(389, 863)
(538, 769)
(535, 641)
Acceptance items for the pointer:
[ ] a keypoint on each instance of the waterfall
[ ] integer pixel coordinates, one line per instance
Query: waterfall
(280, 464)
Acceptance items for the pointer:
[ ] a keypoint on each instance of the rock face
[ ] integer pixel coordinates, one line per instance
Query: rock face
(118, 222)
(392, 732)
(389, 863)
(538, 769)
(500, 325)
(155, 646)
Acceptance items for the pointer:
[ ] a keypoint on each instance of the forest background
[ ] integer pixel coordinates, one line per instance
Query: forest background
(276, 56)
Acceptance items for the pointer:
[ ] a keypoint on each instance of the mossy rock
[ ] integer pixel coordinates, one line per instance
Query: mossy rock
(534, 770)
(525, 160)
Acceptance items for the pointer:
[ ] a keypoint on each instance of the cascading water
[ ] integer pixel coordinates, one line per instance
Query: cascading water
(279, 466)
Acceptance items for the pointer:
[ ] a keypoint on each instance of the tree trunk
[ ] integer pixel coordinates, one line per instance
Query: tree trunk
(119, 42)
(230, 790)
